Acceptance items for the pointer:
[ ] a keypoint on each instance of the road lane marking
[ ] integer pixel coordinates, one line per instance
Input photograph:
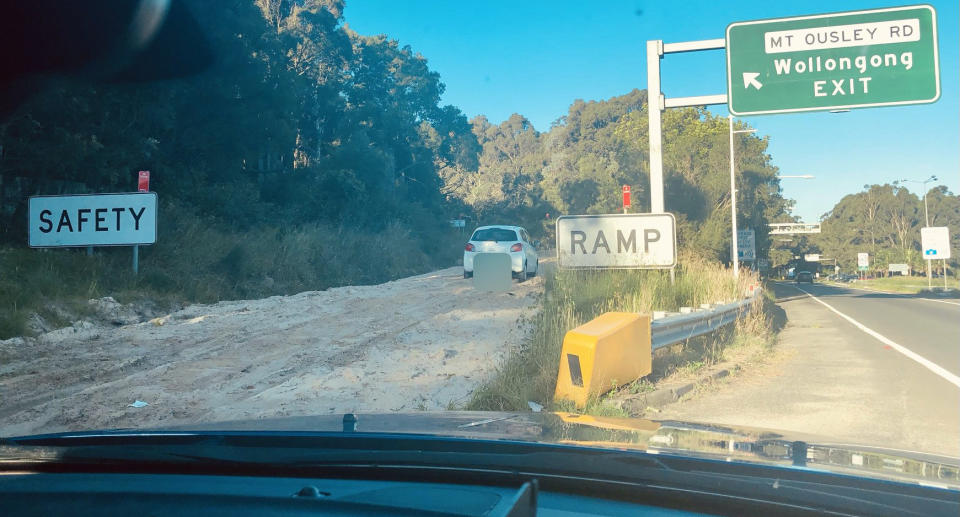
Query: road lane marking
(928, 364)
(938, 301)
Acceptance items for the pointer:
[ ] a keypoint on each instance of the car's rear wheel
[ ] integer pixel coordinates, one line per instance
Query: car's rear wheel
(467, 274)
(536, 269)
(522, 276)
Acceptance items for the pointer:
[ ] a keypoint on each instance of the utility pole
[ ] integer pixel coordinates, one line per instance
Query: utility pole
(733, 206)
(657, 103)
(733, 199)
(926, 217)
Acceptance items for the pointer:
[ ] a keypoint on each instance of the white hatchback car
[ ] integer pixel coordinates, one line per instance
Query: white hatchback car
(512, 240)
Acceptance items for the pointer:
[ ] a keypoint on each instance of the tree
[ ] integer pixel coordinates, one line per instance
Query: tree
(885, 221)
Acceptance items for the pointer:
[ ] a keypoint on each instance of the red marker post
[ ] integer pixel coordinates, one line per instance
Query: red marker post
(626, 198)
(143, 185)
(143, 181)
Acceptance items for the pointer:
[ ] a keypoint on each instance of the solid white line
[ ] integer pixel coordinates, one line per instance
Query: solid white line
(930, 365)
(938, 301)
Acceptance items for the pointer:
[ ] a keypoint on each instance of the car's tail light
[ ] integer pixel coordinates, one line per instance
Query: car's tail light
(469, 247)
(516, 247)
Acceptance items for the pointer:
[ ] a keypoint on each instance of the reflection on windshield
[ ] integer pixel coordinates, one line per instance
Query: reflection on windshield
(494, 234)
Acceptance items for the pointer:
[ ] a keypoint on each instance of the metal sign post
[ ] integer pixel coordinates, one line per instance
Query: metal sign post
(143, 185)
(735, 249)
(654, 107)
(656, 103)
(944, 274)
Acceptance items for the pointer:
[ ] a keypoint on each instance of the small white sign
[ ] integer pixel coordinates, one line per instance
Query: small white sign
(863, 260)
(812, 257)
(92, 220)
(842, 36)
(935, 242)
(746, 245)
(903, 269)
(617, 241)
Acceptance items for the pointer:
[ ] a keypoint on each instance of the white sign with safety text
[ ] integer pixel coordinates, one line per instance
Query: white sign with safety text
(92, 220)
(617, 241)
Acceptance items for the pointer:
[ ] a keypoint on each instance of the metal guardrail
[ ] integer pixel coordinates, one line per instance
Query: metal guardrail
(678, 327)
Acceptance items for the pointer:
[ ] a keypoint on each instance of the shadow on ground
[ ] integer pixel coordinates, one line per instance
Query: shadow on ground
(778, 316)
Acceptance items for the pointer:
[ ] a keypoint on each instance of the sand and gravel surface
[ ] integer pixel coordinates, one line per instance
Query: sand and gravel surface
(418, 343)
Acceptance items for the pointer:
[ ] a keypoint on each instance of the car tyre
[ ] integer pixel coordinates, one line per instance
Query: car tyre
(522, 275)
(536, 270)
(467, 274)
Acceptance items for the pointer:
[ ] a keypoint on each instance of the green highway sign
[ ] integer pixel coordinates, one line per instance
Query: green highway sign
(882, 57)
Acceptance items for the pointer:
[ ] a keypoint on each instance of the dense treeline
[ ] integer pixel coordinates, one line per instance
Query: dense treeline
(306, 157)
(580, 164)
(884, 221)
(301, 120)
(310, 156)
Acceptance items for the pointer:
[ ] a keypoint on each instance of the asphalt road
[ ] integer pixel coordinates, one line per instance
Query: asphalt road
(888, 378)
(929, 327)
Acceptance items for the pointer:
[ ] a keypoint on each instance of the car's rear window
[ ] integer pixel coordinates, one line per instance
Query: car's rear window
(494, 234)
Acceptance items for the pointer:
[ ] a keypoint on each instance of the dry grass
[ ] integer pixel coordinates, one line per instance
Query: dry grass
(572, 298)
(197, 260)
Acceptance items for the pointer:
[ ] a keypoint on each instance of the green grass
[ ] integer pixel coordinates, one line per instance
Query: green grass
(903, 284)
(572, 298)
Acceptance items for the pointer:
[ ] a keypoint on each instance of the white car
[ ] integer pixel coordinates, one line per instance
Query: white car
(512, 240)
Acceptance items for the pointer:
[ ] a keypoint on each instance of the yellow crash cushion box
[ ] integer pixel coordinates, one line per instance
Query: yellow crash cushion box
(612, 349)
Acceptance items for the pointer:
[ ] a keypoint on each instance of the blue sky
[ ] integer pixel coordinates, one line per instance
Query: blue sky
(535, 57)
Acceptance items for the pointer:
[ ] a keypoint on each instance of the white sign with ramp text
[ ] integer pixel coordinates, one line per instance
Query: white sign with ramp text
(617, 241)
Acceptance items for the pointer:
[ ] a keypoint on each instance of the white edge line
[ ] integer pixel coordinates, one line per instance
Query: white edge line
(930, 365)
(938, 301)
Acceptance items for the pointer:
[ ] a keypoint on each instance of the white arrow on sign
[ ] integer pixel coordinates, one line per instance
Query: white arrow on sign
(750, 78)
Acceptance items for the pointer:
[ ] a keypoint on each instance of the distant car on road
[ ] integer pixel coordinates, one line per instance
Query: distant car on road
(804, 276)
(512, 240)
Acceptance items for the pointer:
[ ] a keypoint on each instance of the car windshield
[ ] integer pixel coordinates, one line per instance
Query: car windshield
(734, 217)
(494, 234)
